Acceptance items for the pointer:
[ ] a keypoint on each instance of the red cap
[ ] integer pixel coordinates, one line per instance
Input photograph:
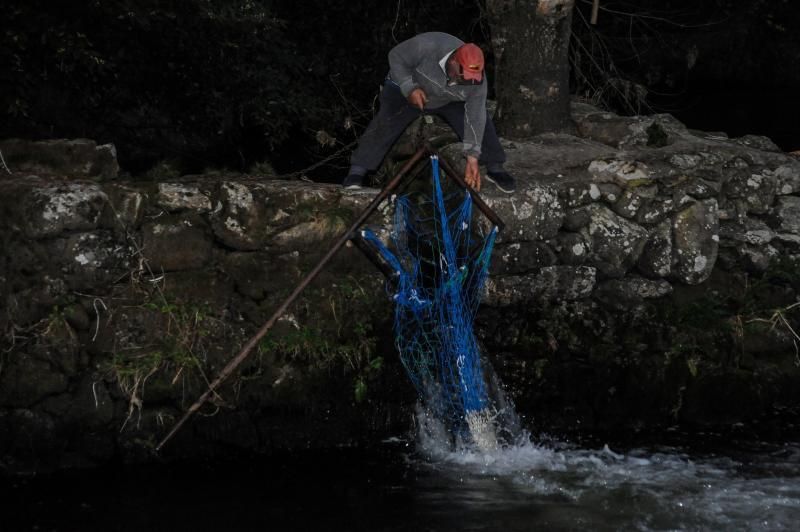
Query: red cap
(470, 57)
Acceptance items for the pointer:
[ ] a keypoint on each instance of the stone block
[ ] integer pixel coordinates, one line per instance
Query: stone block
(171, 244)
(521, 257)
(577, 219)
(629, 293)
(609, 192)
(94, 259)
(656, 258)
(250, 273)
(698, 188)
(619, 131)
(758, 142)
(53, 209)
(787, 211)
(788, 178)
(750, 231)
(695, 232)
(238, 217)
(654, 211)
(557, 283)
(124, 209)
(26, 380)
(65, 158)
(756, 190)
(625, 173)
(634, 199)
(178, 196)
(571, 248)
(533, 213)
(581, 194)
(616, 243)
(551, 283)
(756, 258)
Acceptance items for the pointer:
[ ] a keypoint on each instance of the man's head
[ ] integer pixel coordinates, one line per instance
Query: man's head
(466, 64)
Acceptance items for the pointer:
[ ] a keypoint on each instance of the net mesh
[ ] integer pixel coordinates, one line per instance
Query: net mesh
(440, 259)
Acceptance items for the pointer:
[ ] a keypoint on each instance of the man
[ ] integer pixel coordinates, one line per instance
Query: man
(439, 74)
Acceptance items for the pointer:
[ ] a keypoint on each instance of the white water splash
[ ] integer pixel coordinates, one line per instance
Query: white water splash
(640, 489)
(482, 428)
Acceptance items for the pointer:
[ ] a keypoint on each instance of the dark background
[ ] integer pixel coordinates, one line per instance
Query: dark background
(205, 84)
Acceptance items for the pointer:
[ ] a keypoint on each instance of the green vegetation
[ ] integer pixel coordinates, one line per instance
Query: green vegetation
(720, 323)
(52, 333)
(319, 349)
(337, 331)
(176, 353)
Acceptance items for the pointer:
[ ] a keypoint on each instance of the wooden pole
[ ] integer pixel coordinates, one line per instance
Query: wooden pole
(231, 366)
(595, 9)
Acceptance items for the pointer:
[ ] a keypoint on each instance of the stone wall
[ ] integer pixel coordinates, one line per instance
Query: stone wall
(626, 291)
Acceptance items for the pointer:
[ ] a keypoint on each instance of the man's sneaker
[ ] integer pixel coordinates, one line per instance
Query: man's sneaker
(353, 181)
(503, 180)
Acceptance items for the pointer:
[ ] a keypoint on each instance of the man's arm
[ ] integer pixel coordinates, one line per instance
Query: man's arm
(475, 120)
(403, 59)
(474, 124)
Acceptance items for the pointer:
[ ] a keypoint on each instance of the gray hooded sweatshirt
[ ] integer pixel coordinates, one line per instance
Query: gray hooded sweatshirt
(420, 62)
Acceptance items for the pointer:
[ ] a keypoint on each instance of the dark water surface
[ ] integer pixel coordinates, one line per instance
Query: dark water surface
(423, 486)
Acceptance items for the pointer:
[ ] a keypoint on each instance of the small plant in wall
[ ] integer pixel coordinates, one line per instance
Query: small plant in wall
(171, 349)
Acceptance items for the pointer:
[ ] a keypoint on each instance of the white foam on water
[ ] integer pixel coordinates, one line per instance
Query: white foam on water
(640, 489)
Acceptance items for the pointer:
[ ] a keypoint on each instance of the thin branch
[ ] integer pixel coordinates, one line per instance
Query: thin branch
(396, 18)
(659, 19)
(5, 166)
(336, 154)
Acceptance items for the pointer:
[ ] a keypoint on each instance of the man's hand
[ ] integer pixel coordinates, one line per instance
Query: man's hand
(418, 98)
(472, 174)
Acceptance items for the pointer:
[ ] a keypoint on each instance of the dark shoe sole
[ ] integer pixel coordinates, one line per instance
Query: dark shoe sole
(501, 188)
(353, 182)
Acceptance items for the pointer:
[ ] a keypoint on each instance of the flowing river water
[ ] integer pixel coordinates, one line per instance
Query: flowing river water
(420, 484)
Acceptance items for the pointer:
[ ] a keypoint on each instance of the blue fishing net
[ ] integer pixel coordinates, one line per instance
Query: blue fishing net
(440, 259)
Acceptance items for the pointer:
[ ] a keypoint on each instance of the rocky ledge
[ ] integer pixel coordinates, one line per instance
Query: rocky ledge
(646, 278)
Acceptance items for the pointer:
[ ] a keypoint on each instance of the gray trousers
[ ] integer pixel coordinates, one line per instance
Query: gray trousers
(394, 116)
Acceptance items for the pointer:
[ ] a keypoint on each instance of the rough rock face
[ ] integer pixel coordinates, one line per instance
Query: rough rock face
(642, 267)
(70, 158)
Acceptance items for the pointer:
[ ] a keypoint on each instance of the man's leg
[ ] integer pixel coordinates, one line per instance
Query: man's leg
(492, 153)
(394, 116)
